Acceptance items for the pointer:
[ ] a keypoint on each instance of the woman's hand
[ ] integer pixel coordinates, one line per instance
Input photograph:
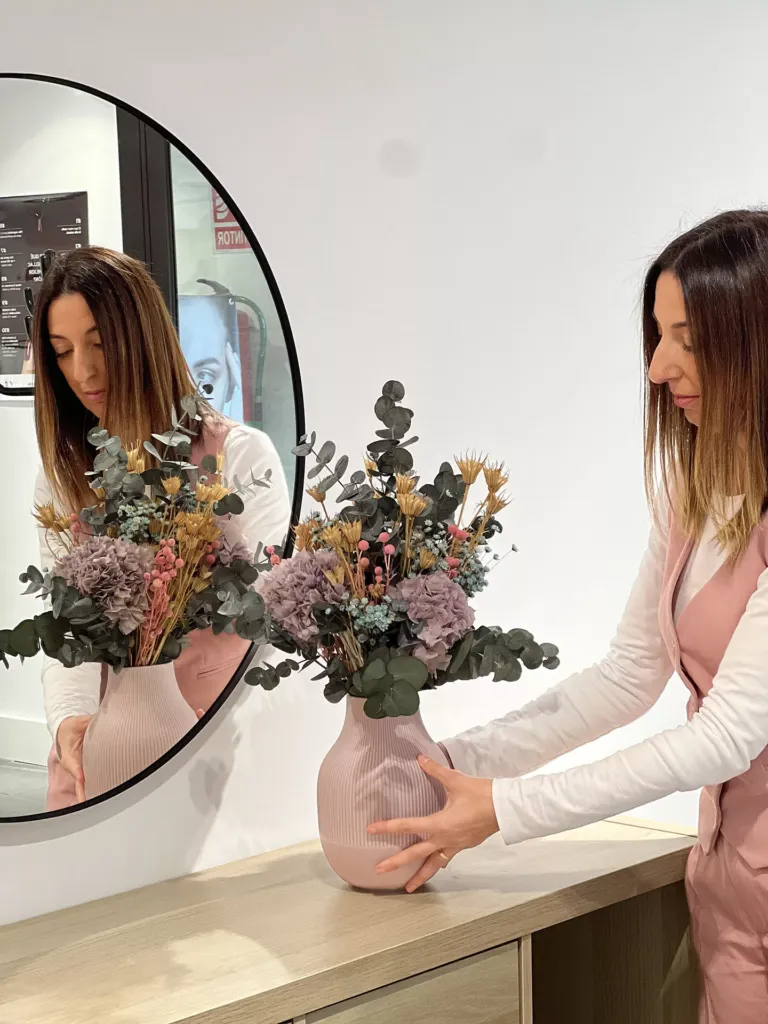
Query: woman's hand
(69, 743)
(467, 820)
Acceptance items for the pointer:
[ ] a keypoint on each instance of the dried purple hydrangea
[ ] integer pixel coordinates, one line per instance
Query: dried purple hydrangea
(232, 549)
(111, 572)
(293, 586)
(441, 604)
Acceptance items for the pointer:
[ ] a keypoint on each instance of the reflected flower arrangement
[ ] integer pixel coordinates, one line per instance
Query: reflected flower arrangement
(149, 562)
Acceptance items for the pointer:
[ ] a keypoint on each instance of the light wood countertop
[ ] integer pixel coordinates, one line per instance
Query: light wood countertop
(269, 938)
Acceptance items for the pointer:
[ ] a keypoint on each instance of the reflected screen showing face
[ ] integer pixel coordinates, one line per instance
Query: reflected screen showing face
(209, 339)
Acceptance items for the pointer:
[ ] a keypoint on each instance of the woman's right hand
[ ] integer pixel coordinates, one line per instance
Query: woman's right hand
(69, 742)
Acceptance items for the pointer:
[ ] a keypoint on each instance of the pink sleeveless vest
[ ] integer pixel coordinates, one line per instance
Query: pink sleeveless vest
(739, 808)
(203, 669)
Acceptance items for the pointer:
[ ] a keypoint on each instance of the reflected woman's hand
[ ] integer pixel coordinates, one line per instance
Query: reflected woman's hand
(69, 741)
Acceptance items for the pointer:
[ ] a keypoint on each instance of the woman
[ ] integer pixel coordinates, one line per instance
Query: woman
(106, 352)
(699, 608)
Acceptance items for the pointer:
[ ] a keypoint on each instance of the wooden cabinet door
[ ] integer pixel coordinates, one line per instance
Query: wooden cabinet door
(483, 989)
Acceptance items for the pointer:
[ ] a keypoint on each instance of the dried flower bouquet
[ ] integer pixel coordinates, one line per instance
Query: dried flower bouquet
(378, 594)
(147, 563)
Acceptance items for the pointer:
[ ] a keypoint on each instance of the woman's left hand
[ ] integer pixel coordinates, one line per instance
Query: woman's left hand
(467, 820)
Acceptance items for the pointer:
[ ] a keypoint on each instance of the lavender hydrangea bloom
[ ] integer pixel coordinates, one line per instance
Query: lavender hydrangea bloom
(293, 586)
(232, 550)
(111, 572)
(441, 604)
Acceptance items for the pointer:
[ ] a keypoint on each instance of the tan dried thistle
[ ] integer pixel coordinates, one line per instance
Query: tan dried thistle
(197, 526)
(470, 465)
(335, 575)
(137, 460)
(209, 494)
(495, 477)
(332, 536)
(172, 485)
(352, 532)
(412, 505)
(304, 537)
(404, 483)
(49, 518)
(427, 558)
(316, 494)
(496, 503)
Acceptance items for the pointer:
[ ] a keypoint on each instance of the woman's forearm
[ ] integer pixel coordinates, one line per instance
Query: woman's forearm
(589, 704)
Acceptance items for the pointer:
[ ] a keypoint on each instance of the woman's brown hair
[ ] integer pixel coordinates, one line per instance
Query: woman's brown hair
(146, 371)
(722, 267)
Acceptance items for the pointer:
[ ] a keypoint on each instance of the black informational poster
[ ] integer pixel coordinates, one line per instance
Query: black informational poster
(28, 226)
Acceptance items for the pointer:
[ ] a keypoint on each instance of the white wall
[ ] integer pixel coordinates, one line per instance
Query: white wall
(463, 196)
(55, 139)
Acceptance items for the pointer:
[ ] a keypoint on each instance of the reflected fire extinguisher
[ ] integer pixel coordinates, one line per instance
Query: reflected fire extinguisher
(252, 368)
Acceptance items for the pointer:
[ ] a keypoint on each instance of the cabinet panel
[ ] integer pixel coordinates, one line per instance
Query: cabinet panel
(483, 989)
(631, 962)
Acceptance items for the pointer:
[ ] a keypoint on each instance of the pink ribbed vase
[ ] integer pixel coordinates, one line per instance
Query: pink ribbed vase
(141, 716)
(371, 773)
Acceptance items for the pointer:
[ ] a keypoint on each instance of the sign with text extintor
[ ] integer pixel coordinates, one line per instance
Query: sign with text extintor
(228, 236)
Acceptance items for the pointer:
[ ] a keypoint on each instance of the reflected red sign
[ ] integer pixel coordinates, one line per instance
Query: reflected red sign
(227, 233)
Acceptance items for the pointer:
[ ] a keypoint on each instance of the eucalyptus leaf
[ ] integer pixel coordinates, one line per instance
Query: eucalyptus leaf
(189, 405)
(334, 691)
(98, 437)
(408, 669)
(383, 407)
(327, 452)
(393, 389)
(152, 451)
(24, 639)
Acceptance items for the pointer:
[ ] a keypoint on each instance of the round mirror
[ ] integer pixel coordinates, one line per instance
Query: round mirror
(128, 280)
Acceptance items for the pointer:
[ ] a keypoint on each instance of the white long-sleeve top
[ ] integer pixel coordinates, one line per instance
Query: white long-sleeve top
(718, 743)
(265, 519)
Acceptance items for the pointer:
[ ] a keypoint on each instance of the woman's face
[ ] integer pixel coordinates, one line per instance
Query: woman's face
(77, 346)
(673, 361)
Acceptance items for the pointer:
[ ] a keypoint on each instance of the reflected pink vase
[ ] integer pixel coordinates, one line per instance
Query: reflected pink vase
(371, 773)
(141, 716)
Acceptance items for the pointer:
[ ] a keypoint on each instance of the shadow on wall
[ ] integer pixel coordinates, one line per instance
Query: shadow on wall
(245, 785)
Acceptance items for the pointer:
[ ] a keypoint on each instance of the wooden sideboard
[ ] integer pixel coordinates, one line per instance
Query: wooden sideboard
(590, 926)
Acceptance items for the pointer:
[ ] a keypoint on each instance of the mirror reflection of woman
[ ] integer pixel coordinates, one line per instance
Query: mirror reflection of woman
(106, 352)
(699, 608)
